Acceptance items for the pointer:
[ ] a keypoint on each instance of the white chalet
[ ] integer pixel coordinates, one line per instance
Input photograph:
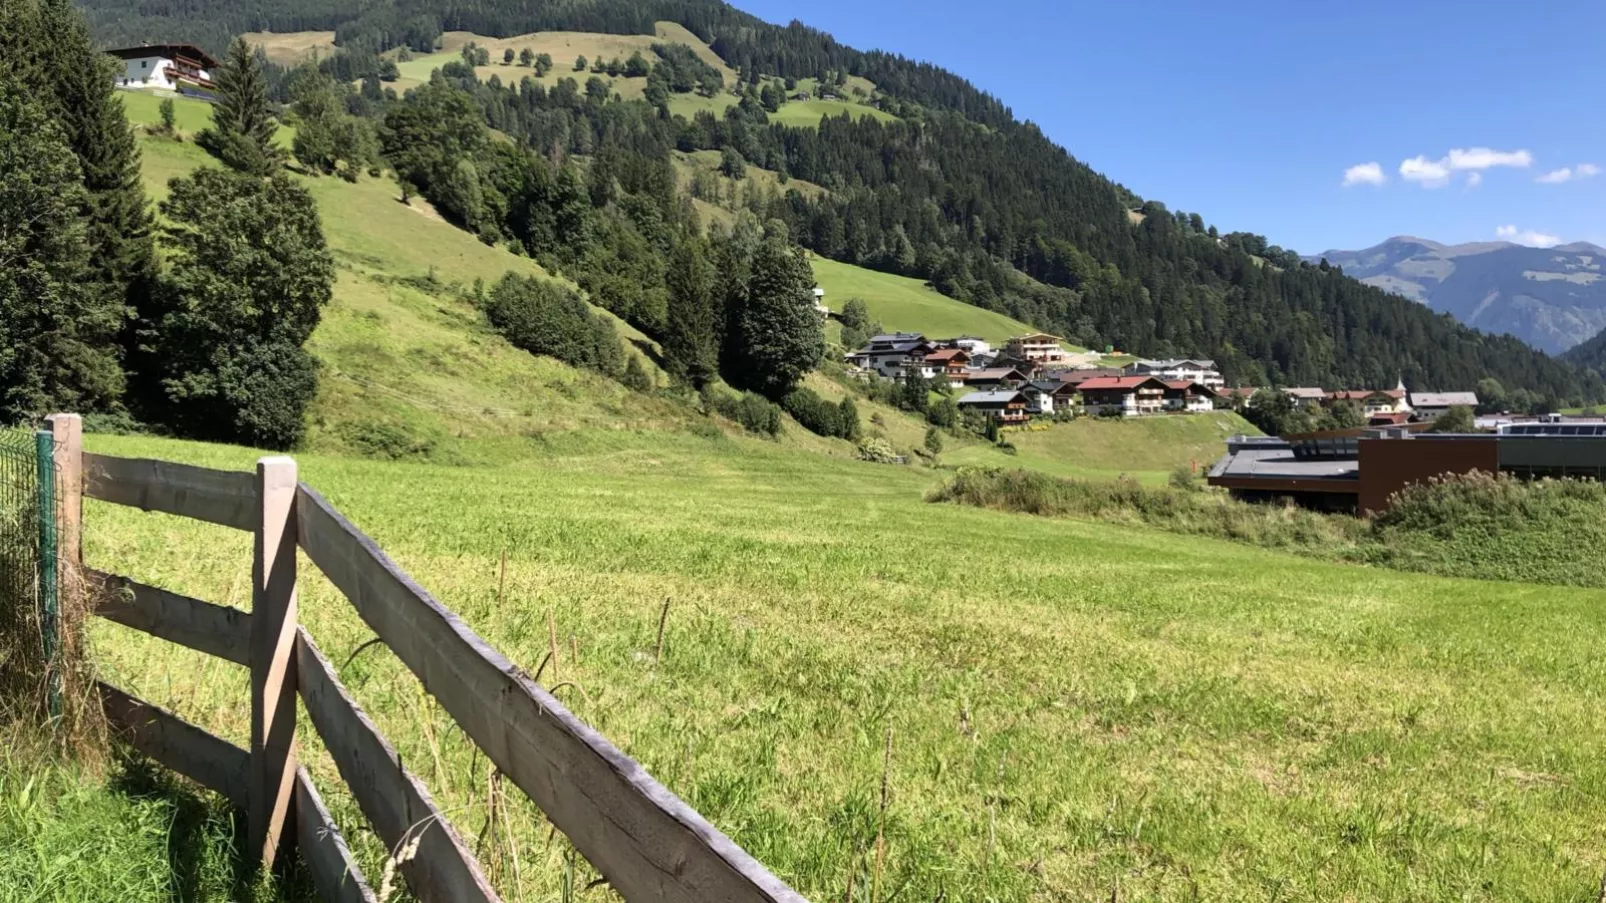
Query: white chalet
(1203, 372)
(887, 354)
(184, 68)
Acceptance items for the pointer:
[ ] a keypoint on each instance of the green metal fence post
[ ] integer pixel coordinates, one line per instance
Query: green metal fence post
(45, 456)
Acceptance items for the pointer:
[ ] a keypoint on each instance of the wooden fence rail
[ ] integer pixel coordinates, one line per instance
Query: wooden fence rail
(647, 843)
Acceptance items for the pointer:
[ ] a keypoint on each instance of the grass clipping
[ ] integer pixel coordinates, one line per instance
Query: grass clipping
(1469, 525)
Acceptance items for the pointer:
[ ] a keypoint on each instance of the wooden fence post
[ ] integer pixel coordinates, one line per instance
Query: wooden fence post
(68, 431)
(273, 676)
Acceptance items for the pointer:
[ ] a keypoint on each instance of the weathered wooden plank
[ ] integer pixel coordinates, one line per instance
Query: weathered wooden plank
(215, 496)
(336, 874)
(649, 844)
(273, 658)
(395, 802)
(214, 629)
(68, 432)
(210, 761)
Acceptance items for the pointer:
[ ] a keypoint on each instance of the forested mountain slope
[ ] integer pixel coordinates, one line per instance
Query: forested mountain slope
(956, 192)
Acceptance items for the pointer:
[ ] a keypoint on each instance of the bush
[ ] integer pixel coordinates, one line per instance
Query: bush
(549, 318)
(754, 412)
(821, 417)
(636, 378)
(1496, 528)
(1184, 478)
(878, 451)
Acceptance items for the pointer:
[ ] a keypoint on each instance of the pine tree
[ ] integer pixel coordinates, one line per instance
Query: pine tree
(56, 332)
(692, 334)
(243, 127)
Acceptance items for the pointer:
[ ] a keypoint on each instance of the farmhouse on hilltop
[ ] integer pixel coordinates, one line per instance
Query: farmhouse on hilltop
(184, 68)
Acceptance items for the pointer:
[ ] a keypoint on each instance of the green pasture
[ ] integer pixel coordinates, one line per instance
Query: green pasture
(1073, 707)
(909, 305)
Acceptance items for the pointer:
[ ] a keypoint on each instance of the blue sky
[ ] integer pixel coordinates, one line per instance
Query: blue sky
(1252, 113)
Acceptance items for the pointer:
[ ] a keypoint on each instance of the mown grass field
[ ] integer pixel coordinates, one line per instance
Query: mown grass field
(1146, 449)
(909, 305)
(1073, 707)
(807, 113)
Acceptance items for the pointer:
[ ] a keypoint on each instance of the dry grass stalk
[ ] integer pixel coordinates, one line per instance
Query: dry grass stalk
(552, 641)
(501, 579)
(881, 820)
(663, 618)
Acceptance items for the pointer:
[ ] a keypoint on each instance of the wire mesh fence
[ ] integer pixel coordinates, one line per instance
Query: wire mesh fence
(28, 587)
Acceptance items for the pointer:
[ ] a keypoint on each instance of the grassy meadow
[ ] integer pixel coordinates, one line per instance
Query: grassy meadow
(905, 304)
(1147, 449)
(1073, 707)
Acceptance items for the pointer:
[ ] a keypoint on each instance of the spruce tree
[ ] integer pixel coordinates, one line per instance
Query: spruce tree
(692, 334)
(56, 331)
(243, 126)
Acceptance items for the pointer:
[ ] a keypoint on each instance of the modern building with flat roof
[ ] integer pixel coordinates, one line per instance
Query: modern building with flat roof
(1360, 470)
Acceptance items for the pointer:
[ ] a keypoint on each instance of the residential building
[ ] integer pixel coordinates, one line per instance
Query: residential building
(1128, 396)
(1189, 396)
(1360, 470)
(1374, 401)
(819, 304)
(972, 345)
(1306, 396)
(1040, 400)
(1039, 347)
(949, 364)
(1203, 372)
(887, 354)
(1077, 377)
(184, 68)
(1003, 405)
(994, 378)
(1432, 405)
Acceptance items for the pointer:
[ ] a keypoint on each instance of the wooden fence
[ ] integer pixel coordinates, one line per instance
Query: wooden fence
(647, 843)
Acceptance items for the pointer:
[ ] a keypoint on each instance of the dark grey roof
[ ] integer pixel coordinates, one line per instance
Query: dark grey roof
(1002, 396)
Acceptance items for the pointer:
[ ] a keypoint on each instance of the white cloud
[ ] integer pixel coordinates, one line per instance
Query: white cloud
(1473, 161)
(1364, 174)
(1429, 173)
(1527, 237)
(1568, 173)
(1484, 158)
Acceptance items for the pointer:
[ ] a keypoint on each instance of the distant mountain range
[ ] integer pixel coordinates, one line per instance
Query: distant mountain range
(1551, 298)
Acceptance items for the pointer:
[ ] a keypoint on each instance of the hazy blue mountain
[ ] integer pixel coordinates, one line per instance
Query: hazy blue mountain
(1551, 298)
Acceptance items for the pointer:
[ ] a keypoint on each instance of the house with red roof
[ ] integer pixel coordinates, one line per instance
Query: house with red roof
(1124, 396)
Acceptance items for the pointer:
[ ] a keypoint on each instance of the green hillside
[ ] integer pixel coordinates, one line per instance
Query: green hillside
(409, 367)
(909, 305)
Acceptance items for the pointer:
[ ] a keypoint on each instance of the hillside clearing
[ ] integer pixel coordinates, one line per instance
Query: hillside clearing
(1072, 706)
(909, 305)
(293, 47)
(807, 113)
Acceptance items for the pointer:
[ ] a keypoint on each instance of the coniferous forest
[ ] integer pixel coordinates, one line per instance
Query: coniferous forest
(956, 192)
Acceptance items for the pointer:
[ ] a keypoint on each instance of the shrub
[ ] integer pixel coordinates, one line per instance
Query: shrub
(754, 412)
(933, 441)
(1184, 478)
(821, 417)
(549, 318)
(636, 378)
(878, 451)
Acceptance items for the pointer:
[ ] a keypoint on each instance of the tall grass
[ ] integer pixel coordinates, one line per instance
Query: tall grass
(1497, 528)
(1128, 502)
(1474, 525)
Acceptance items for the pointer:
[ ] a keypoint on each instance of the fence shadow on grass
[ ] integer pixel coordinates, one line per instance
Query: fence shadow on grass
(205, 838)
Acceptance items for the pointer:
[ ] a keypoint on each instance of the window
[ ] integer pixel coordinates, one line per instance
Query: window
(143, 64)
